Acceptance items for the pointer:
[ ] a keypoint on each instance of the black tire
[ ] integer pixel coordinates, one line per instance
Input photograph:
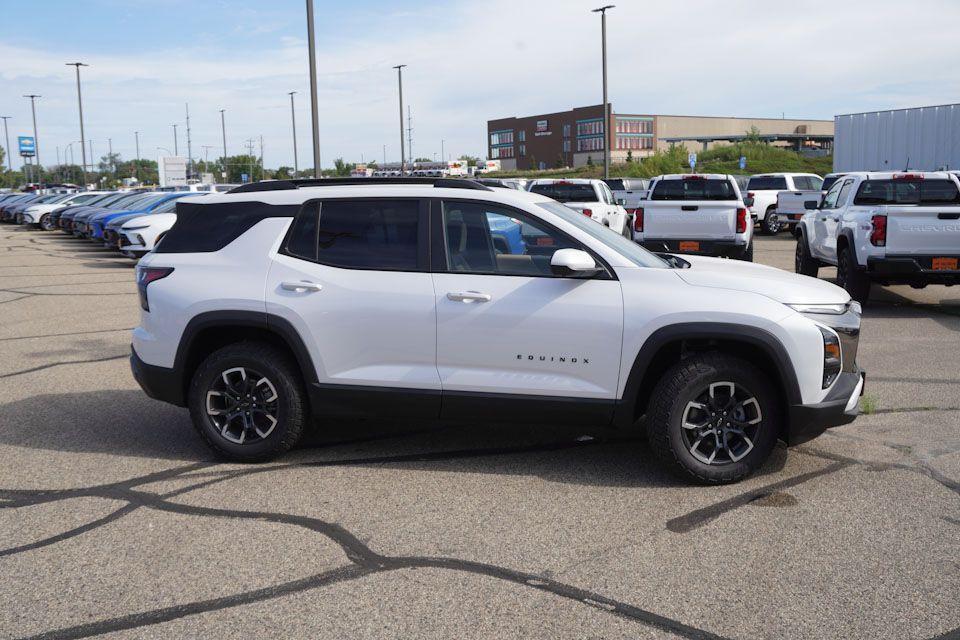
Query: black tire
(804, 263)
(683, 385)
(771, 224)
(289, 408)
(851, 277)
(747, 255)
(45, 223)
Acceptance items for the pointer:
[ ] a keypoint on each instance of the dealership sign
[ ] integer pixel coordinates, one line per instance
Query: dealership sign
(543, 127)
(28, 146)
(172, 170)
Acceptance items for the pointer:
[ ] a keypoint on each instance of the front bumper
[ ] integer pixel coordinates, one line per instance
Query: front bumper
(841, 406)
(159, 383)
(716, 248)
(908, 269)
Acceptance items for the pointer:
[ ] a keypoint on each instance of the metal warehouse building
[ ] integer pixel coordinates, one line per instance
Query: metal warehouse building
(923, 138)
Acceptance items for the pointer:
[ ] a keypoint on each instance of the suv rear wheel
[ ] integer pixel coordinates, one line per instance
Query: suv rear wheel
(247, 402)
(714, 418)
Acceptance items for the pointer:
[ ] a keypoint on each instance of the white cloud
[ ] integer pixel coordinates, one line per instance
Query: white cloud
(472, 61)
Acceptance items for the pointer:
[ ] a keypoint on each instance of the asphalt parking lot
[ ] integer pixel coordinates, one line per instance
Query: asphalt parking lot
(115, 519)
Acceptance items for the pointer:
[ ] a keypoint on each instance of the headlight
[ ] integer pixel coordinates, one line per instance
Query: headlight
(832, 360)
(827, 309)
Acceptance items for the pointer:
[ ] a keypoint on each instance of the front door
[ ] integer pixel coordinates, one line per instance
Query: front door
(513, 340)
(353, 278)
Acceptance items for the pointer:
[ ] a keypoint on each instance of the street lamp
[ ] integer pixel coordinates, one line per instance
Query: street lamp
(6, 132)
(223, 130)
(403, 159)
(314, 114)
(36, 143)
(293, 119)
(83, 149)
(175, 150)
(606, 106)
(136, 164)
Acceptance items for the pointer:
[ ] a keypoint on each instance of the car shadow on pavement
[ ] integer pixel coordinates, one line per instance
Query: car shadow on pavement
(126, 423)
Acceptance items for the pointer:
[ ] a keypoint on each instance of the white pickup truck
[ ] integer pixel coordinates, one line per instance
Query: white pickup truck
(889, 228)
(701, 214)
(791, 205)
(590, 197)
(764, 187)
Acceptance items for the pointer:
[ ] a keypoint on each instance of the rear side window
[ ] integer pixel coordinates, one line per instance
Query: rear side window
(616, 184)
(927, 192)
(383, 235)
(203, 228)
(688, 189)
(767, 183)
(566, 192)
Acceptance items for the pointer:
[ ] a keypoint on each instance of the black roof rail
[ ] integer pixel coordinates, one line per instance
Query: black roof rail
(286, 185)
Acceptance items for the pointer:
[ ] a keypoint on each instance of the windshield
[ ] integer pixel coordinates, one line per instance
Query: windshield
(828, 182)
(767, 183)
(626, 248)
(694, 189)
(923, 192)
(566, 192)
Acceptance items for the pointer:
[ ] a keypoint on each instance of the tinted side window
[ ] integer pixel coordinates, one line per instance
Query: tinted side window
(369, 234)
(844, 192)
(211, 227)
(830, 200)
(302, 241)
(764, 183)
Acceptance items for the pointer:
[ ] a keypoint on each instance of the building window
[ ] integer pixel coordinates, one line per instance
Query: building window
(501, 137)
(634, 125)
(522, 136)
(593, 127)
(634, 142)
(566, 131)
(501, 152)
(590, 144)
(523, 150)
(566, 145)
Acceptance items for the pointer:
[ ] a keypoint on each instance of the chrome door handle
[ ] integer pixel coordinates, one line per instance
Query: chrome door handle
(469, 296)
(300, 287)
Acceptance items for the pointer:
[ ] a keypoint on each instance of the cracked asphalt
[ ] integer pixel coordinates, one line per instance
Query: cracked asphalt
(115, 520)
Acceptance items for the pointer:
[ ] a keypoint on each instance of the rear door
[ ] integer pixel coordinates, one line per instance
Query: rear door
(511, 336)
(692, 208)
(353, 278)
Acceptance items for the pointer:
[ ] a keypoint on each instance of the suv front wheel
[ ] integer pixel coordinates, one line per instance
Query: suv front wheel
(247, 402)
(713, 418)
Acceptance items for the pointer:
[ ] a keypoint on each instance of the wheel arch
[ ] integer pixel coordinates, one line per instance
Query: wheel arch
(207, 332)
(669, 345)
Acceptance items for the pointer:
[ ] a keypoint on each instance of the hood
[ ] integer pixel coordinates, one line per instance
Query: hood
(115, 222)
(780, 285)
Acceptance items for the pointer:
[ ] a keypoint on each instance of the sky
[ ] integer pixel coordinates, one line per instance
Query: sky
(468, 62)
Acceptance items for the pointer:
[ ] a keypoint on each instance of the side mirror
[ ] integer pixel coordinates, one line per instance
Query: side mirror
(573, 263)
(621, 201)
(748, 202)
(811, 205)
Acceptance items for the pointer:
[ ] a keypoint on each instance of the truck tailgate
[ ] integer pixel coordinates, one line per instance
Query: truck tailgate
(694, 219)
(923, 230)
(791, 203)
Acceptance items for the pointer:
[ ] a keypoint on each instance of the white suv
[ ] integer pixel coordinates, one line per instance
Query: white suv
(444, 299)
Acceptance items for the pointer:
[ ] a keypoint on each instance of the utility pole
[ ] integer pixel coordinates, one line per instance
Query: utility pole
(36, 142)
(189, 146)
(384, 155)
(223, 129)
(206, 156)
(89, 144)
(261, 157)
(175, 150)
(410, 137)
(83, 150)
(6, 132)
(606, 106)
(250, 142)
(136, 163)
(113, 165)
(293, 119)
(314, 113)
(403, 156)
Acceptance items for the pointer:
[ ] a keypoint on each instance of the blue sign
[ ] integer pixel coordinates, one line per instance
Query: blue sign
(743, 162)
(692, 160)
(244, 178)
(28, 146)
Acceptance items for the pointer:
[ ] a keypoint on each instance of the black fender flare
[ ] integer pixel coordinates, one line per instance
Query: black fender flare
(847, 234)
(768, 343)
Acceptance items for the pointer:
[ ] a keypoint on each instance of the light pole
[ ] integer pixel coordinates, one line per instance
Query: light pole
(175, 150)
(293, 119)
(443, 157)
(136, 164)
(36, 143)
(6, 132)
(314, 113)
(223, 130)
(403, 158)
(83, 150)
(606, 107)
(206, 156)
(190, 169)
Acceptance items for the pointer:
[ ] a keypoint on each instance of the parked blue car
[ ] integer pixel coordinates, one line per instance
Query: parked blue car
(139, 206)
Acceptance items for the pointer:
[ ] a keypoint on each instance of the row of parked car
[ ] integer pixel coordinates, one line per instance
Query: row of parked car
(129, 221)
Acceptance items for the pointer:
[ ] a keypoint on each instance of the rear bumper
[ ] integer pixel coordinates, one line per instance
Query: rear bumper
(841, 406)
(905, 269)
(159, 383)
(718, 248)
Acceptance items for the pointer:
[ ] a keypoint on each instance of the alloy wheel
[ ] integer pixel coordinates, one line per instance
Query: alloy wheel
(242, 404)
(721, 424)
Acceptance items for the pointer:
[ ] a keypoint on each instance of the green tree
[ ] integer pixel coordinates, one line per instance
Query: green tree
(629, 156)
(341, 168)
(242, 164)
(472, 161)
(558, 163)
(283, 173)
(589, 161)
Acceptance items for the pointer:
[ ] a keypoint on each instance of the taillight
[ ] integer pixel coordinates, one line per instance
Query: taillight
(588, 212)
(908, 176)
(878, 237)
(694, 177)
(638, 219)
(146, 275)
(741, 220)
